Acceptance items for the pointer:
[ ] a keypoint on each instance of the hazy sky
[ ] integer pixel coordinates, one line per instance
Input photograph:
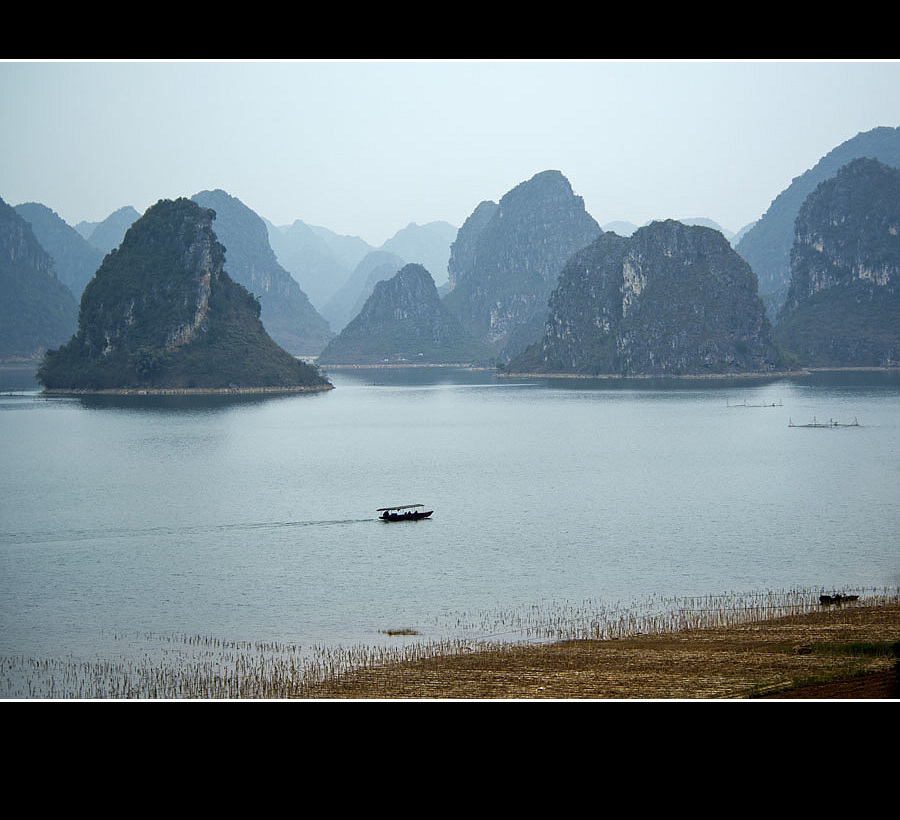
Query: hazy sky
(364, 148)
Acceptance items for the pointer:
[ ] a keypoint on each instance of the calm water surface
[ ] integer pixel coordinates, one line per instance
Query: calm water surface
(254, 519)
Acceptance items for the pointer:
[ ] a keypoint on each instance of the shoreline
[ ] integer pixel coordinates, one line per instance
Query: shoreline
(655, 377)
(763, 648)
(183, 391)
(404, 366)
(501, 374)
(828, 653)
(781, 374)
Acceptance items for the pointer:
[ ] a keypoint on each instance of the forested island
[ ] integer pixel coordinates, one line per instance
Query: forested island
(162, 314)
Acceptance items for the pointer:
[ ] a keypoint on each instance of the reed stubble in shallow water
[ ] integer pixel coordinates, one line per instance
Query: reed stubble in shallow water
(849, 646)
(731, 645)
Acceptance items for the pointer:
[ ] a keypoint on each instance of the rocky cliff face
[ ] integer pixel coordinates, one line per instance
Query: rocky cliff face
(37, 311)
(843, 306)
(506, 260)
(404, 322)
(671, 299)
(767, 245)
(464, 249)
(162, 312)
(287, 314)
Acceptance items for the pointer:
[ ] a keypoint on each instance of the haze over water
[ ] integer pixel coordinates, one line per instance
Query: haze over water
(254, 518)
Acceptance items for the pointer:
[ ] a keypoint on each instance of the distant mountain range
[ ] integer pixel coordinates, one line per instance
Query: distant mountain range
(109, 233)
(628, 228)
(340, 270)
(335, 271)
(37, 311)
(505, 265)
(497, 274)
(75, 259)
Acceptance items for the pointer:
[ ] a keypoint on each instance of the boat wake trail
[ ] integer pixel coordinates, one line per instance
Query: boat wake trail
(278, 525)
(112, 534)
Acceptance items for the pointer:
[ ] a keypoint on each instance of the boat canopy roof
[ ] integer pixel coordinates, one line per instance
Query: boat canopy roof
(402, 507)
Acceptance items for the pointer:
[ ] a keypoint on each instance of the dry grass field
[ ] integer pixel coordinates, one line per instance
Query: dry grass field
(844, 652)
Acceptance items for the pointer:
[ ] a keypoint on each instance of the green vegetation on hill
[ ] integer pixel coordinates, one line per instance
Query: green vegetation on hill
(767, 245)
(162, 313)
(507, 258)
(403, 321)
(843, 306)
(670, 300)
(286, 312)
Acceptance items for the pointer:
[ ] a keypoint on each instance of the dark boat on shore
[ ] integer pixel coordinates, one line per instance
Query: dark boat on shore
(406, 512)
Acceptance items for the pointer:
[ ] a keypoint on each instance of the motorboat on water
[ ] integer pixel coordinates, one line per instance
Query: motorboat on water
(405, 512)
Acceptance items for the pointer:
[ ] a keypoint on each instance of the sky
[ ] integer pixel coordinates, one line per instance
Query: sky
(364, 148)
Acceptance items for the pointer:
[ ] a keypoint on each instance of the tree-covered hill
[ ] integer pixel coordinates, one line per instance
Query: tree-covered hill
(404, 322)
(843, 306)
(163, 313)
(767, 245)
(669, 300)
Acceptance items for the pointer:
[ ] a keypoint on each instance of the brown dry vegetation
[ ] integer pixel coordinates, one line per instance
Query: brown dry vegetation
(815, 655)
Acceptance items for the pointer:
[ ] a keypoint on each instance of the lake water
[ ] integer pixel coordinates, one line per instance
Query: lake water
(254, 519)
